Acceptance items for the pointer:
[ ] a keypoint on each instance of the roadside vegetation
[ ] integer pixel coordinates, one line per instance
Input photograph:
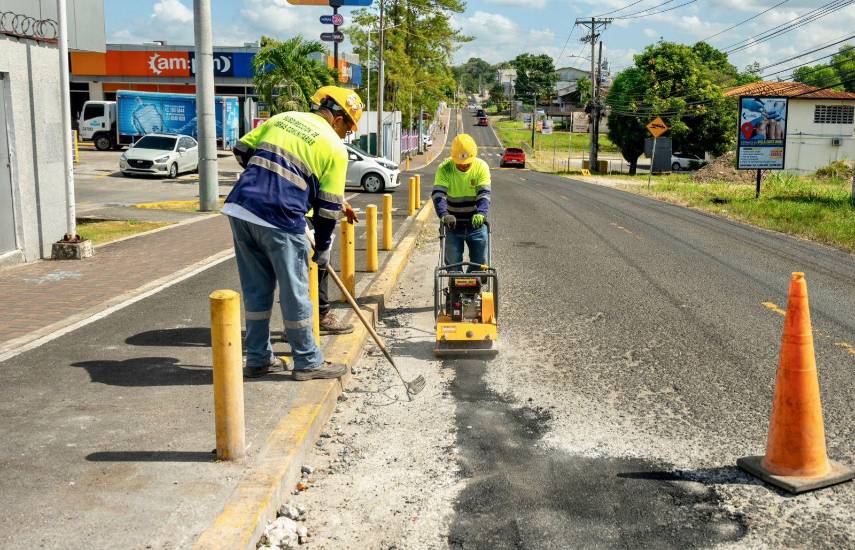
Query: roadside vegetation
(176, 206)
(105, 231)
(513, 133)
(813, 207)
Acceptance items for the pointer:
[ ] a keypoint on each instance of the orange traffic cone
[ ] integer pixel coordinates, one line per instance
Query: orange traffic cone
(796, 458)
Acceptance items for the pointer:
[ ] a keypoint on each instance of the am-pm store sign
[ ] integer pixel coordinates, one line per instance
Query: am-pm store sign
(158, 63)
(178, 64)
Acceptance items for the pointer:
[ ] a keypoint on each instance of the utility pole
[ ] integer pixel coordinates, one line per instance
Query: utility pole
(595, 25)
(368, 89)
(67, 150)
(595, 137)
(207, 125)
(533, 121)
(381, 41)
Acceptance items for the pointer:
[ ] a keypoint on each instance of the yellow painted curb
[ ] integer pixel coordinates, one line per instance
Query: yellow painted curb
(277, 467)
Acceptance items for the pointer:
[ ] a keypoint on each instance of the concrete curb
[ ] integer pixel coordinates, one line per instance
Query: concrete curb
(277, 467)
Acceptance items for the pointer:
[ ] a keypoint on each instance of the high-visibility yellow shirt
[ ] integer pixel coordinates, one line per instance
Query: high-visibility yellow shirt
(462, 194)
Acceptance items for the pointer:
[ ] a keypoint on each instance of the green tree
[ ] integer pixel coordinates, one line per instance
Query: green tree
(285, 74)
(844, 64)
(749, 75)
(682, 87)
(535, 76)
(497, 95)
(628, 132)
(474, 73)
(420, 41)
(821, 76)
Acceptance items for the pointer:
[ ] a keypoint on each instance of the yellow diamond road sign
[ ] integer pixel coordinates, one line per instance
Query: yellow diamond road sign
(657, 127)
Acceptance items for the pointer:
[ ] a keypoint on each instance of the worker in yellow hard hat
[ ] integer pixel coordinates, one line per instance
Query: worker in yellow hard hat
(461, 198)
(293, 162)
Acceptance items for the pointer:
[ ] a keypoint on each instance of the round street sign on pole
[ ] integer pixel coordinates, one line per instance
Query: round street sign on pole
(336, 36)
(336, 20)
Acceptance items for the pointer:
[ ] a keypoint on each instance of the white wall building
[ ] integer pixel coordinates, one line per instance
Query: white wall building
(820, 123)
(32, 174)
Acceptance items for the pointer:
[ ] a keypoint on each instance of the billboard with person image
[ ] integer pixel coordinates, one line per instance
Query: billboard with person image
(761, 144)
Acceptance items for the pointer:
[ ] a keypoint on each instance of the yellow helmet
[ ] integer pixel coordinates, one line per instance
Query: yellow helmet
(463, 149)
(340, 99)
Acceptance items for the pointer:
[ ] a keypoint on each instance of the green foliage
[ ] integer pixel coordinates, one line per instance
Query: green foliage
(497, 96)
(749, 75)
(839, 170)
(583, 86)
(838, 74)
(285, 76)
(474, 73)
(419, 43)
(818, 75)
(535, 75)
(685, 86)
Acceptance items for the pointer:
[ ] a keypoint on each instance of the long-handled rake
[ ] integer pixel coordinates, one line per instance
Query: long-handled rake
(418, 383)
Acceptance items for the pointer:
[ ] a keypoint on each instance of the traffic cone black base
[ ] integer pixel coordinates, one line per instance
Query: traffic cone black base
(795, 484)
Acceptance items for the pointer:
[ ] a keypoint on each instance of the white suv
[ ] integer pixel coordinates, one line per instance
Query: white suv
(374, 174)
(685, 161)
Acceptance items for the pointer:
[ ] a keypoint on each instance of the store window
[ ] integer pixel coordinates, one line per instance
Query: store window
(834, 114)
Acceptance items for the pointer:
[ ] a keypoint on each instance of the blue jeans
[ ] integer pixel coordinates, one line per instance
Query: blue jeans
(266, 256)
(476, 242)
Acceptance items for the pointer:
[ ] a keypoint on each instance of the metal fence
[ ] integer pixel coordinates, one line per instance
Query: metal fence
(24, 26)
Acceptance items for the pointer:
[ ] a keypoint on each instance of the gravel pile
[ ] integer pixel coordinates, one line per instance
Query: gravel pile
(723, 169)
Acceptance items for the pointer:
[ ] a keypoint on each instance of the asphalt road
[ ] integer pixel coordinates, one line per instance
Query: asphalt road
(636, 345)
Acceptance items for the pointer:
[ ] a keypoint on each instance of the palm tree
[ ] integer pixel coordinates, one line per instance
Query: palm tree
(285, 76)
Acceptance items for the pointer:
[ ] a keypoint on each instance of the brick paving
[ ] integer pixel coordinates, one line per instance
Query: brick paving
(37, 295)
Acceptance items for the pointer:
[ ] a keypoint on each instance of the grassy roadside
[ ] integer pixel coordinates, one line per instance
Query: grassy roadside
(805, 206)
(105, 231)
(175, 206)
(513, 132)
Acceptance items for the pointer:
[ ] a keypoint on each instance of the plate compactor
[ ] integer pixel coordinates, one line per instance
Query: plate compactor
(465, 306)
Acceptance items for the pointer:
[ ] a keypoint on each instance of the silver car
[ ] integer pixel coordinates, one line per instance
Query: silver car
(373, 174)
(161, 154)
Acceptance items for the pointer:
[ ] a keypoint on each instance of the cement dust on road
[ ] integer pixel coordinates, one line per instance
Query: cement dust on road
(386, 468)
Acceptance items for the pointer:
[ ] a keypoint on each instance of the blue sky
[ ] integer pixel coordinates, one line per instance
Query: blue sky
(504, 28)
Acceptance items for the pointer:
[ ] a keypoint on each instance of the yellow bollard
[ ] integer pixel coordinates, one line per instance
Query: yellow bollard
(411, 209)
(371, 263)
(347, 271)
(418, 191)
(387, 222)
(313, 296)
(228, 374)
(408, 163)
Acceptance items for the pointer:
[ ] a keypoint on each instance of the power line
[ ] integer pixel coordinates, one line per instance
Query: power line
(640, 14)
(828, 45)
(744, 21)
(620, 9)
(797, 22)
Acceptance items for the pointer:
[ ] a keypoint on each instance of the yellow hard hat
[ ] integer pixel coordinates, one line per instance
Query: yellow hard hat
(340, 100)
(463, 149)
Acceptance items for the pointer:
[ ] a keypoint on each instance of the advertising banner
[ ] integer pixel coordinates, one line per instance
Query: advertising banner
(762, 139)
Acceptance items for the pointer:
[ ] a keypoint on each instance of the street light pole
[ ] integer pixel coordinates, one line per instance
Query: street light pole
(68, 163)
(205, 107)
(381, 40)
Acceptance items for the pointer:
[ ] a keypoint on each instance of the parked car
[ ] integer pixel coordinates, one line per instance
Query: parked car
(161, 155)
(483, 121)
(685, 161)
(373, 174)
(513, 156)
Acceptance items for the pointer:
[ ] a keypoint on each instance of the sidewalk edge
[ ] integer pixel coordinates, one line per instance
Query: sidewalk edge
(41, 336)
(277, 468)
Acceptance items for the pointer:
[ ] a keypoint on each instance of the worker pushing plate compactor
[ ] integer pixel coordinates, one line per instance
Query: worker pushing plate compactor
(465, 305)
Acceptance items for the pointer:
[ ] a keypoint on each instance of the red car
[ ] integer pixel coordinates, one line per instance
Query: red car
(482, 121)
(513, 156)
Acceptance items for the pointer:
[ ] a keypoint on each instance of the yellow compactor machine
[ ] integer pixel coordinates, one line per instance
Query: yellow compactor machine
(466, 306)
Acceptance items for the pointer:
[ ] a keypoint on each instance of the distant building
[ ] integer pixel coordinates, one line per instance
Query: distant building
(32, 171)
(159, 67)
(820, 123)
(507, 78)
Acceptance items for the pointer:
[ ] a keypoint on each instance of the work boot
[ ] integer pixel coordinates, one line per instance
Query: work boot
(324, 370)
(255, 372)
(331, 325)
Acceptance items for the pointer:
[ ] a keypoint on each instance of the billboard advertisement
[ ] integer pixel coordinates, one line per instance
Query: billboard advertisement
(163, 63)
(762, 139)
(141, 113)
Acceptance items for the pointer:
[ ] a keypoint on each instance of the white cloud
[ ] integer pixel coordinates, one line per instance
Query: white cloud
(171, 11)
(651, 33)
(498, 38)
(535, 4)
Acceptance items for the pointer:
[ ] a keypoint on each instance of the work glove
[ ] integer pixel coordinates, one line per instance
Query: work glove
(350, 214)
(477, 221)
(449, 221)
(322, 258)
